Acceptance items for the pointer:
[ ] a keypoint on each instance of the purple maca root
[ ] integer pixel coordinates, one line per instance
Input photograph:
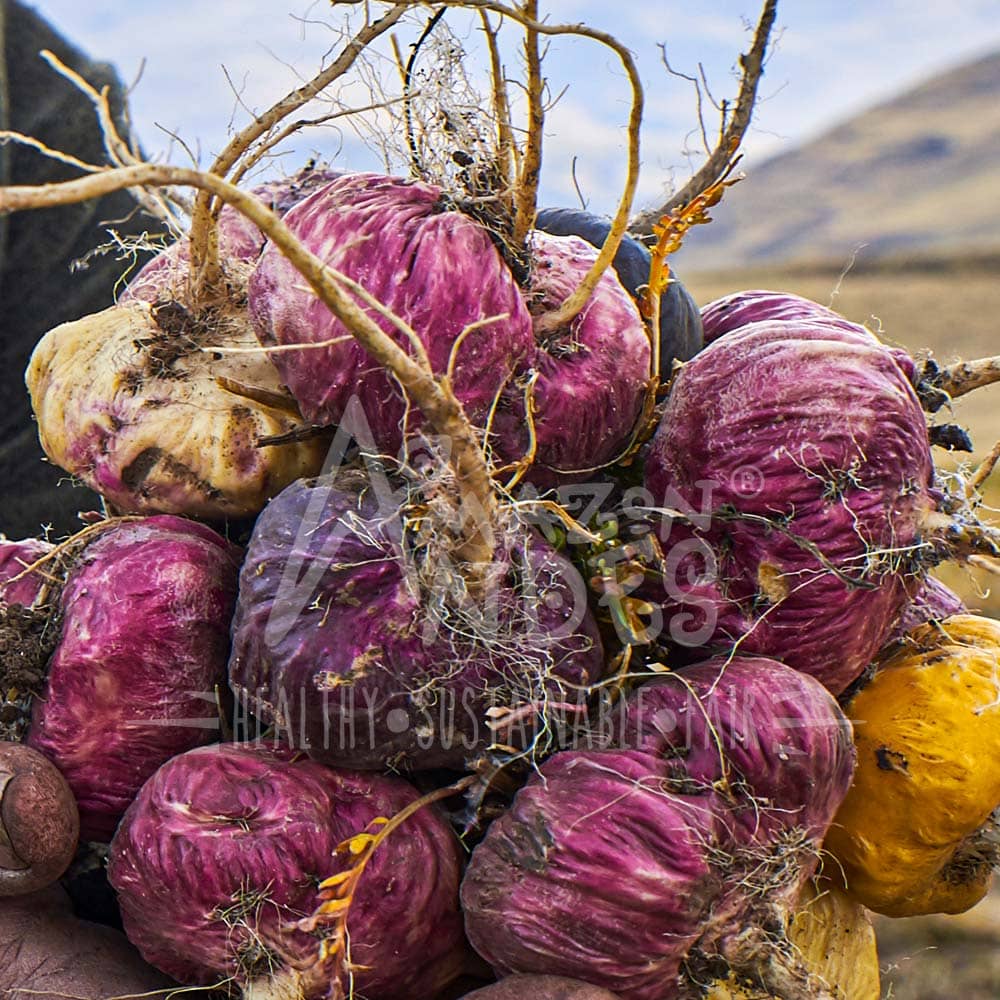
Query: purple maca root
(430, 265)
(935, 385)
(356, 637)
(131, 646)
(218, 866)
(717, 853)
(739, 309)
(587, 382)
(804, 448)
(439, 271)
(752, 724)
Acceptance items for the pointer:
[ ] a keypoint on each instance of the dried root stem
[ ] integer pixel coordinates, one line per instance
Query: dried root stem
(524, 198)
(772, 961)
(206, 272)
(508, 155)
(531, 166)
(732, 128)
(329, 921)
(939, 386)
(974, 486)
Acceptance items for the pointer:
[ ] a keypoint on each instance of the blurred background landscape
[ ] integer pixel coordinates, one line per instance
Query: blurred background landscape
(893, 219)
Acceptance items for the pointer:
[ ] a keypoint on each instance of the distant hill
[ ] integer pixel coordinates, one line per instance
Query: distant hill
(920, 173)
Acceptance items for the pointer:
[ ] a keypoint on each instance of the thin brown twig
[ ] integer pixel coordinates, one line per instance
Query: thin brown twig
(470, 328)
(84, 533)
(508, 154)
(120, 153)
(206, 272)
(117, 149)
(988, 563)
(266, 397)
(731, 135)
(576, 184)
(983, 473)
(699, 101)
(526, 195)
(175, 137)
(302, 123)
(407, 71)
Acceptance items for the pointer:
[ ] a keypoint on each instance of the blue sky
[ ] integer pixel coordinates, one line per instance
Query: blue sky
(832, 59)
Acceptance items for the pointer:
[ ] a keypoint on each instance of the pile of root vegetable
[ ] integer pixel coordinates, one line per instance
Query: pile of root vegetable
(470, 614)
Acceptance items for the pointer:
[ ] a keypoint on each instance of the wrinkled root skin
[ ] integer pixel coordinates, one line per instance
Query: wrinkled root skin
(917, 832)
(145, 611)
(45, 951)
(591, 377)
(755, 724)
(802, 450)
(717, 844)
(544, 893)
(733, 312)
(139, 414)
(432, 266)
(681, 336)
(932, 602)
(341, 644)
(439, 271)
(221, 856)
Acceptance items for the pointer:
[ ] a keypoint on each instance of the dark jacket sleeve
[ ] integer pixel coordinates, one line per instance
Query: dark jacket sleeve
(39, 285)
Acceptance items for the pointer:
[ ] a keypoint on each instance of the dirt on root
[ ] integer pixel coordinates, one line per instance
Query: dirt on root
(27, 639)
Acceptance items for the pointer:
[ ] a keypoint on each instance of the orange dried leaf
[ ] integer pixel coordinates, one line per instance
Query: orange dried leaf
(334, 906)
(360, 843)
(338, 879)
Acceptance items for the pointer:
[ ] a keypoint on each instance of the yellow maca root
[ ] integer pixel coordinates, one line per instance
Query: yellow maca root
(146, 414)
(833, 939)
(915, 834)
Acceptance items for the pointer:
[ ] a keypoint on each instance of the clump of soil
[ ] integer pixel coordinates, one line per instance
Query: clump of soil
(28, 638)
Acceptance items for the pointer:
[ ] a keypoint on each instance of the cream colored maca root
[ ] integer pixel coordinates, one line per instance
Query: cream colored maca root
(137, 403)
(835, 941)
